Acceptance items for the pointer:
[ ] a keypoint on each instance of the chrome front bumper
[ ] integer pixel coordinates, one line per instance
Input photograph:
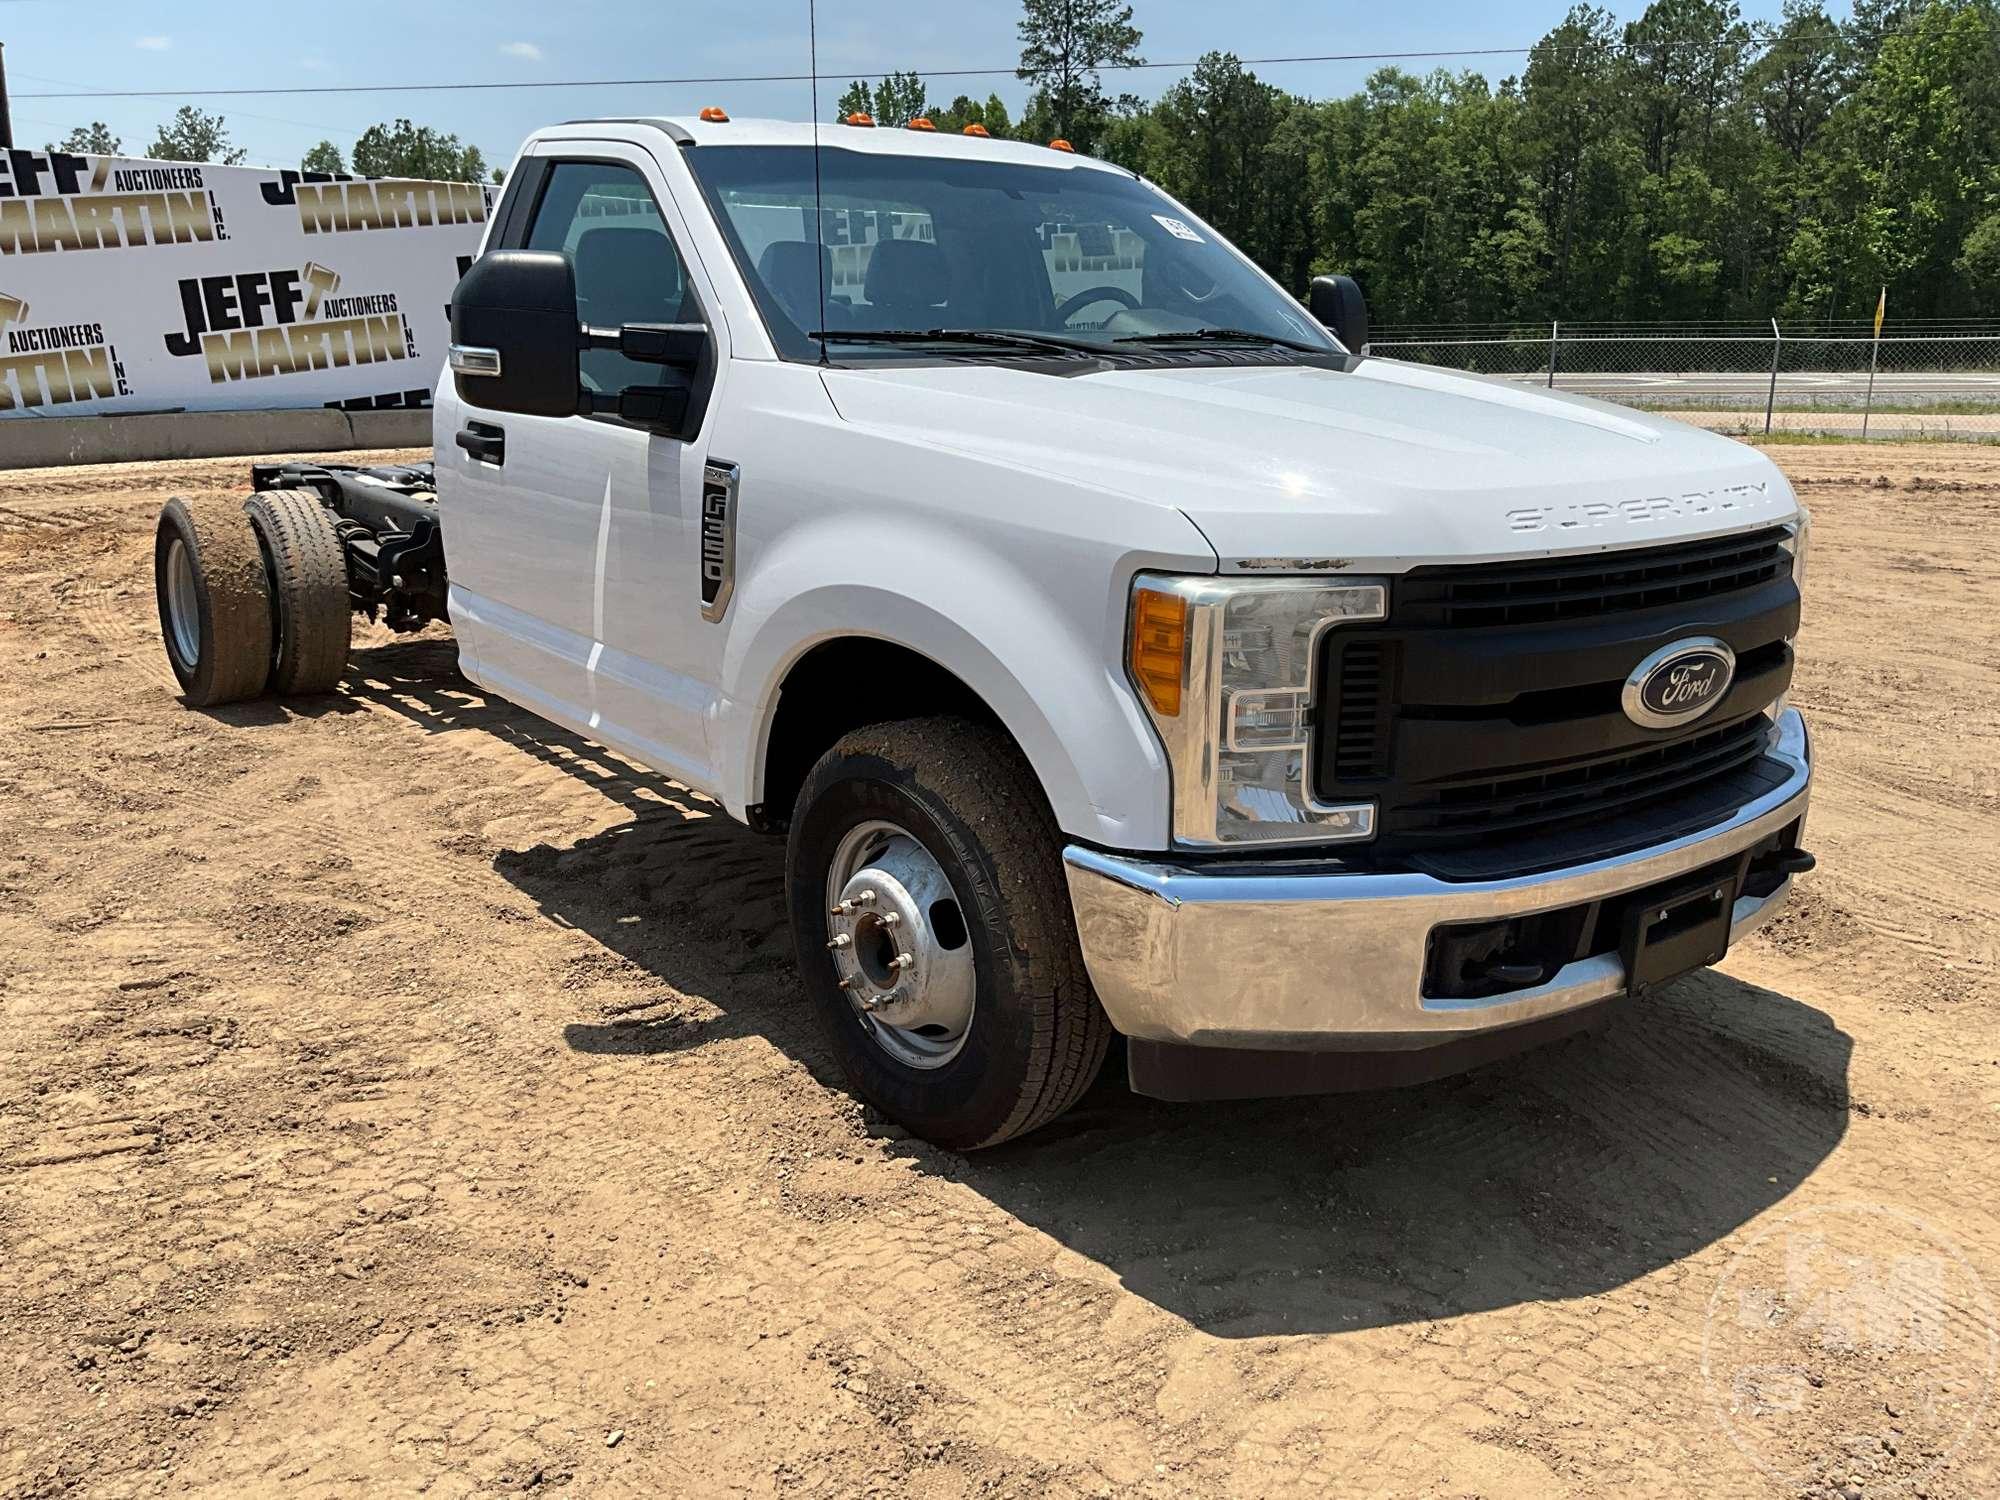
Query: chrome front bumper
(1203, 956)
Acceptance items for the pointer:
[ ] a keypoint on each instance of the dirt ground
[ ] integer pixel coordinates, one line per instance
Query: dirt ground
(398, 1095)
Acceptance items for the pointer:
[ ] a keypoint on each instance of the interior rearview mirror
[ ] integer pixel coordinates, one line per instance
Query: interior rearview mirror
(1337, 302)
(514, 334)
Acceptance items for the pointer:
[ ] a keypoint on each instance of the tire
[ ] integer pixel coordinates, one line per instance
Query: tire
(308, 571)
(214, 599)
(964, 795)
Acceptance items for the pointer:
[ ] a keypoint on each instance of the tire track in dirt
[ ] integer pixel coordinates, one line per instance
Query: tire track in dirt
(489, 1122)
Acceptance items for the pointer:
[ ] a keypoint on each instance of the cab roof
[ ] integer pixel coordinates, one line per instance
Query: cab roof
(689, 130)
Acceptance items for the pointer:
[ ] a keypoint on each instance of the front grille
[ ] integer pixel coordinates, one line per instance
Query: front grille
(1483, 717)
(1598, 788)
(1602, 583)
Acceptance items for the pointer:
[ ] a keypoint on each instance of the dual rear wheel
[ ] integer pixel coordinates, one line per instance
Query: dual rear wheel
(252, 596)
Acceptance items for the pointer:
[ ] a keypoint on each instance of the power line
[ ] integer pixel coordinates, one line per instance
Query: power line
(1771, 45)
(341, 130)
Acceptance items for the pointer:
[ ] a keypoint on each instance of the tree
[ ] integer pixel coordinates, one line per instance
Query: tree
(94, 139)
(1063, 45)
(899, 99)
(895, 101)
(1569, 93)
(1800, 78)
(991, 116)
(1980, 262)
(325, 157)
(407, 150)
(1685, 167)
(858, 100)
(194, 136)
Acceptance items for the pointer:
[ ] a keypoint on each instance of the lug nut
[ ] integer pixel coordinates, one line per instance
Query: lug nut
(864, 897)
(841, 910)
(901, 961)
(839, 940)
(891, 918)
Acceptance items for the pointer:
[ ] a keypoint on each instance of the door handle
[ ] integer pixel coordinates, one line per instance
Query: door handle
(484, 441)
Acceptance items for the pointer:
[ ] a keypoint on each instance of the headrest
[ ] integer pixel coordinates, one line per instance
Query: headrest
(626, 258)
(796, 278)
(906, 274)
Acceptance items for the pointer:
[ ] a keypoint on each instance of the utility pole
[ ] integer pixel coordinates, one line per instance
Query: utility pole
(6, 120)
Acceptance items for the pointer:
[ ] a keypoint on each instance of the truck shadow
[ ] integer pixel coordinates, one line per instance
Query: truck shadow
(1562, 1173)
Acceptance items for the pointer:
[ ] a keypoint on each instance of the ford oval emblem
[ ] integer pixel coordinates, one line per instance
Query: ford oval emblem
(1679, 683)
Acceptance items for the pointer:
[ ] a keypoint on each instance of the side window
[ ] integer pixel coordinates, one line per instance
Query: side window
(604, 218)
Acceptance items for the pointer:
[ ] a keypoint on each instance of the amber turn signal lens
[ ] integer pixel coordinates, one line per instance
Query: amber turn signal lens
(975, 128)
(920, 123)
(1059, 144)
(857, 118)
(1159, 645)
(715, 115)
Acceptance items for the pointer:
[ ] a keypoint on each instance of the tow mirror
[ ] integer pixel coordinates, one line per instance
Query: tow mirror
(1337, 302)
(514, 334)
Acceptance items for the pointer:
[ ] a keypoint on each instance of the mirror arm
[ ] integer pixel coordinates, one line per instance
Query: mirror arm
(677, 344)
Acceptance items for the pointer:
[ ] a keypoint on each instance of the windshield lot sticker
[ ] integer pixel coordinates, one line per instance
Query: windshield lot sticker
(1177, 228)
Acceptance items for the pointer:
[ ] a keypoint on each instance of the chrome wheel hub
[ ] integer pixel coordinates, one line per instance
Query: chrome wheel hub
(183, 607)
(897, 937)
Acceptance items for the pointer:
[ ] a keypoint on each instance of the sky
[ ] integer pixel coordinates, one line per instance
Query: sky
(66, 45)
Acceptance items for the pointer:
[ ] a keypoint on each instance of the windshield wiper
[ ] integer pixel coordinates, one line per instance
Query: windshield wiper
(992, 338)
(1224, 336)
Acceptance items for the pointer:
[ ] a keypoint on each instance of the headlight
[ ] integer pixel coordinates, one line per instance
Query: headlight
(1799, 543)
(1225, 668)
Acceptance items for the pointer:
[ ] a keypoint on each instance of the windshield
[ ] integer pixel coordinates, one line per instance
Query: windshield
(915, 243)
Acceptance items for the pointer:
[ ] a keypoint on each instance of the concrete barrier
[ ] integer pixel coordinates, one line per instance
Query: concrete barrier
(47, 442)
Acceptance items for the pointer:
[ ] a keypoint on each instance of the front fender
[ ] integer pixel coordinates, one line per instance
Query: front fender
(1043, 651)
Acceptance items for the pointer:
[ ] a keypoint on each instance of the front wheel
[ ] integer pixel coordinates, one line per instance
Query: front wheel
(934, 935)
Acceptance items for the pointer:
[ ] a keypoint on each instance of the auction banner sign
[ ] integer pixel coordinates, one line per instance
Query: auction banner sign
(146, 286)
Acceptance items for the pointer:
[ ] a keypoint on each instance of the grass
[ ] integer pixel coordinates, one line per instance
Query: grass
(1954, 408)
(1848, 439)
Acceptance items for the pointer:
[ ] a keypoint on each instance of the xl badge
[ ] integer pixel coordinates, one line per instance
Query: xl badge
(1679, 683)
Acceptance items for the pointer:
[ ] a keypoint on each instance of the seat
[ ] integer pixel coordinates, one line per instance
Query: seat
(908, 283)
(797, 278)
(628, 275)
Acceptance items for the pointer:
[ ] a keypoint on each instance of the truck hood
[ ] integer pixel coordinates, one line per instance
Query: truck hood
(1377, 469)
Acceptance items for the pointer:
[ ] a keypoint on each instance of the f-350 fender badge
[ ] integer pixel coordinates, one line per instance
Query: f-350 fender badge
(718, 537)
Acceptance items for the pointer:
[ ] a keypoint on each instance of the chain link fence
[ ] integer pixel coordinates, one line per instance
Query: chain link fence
(1930, 385)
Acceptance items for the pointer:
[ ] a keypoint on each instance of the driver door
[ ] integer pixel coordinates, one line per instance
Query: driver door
(566, 538)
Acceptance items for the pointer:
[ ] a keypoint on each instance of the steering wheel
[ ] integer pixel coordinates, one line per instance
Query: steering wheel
(1094, 294)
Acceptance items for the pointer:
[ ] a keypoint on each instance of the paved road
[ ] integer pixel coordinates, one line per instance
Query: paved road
(1892, 389)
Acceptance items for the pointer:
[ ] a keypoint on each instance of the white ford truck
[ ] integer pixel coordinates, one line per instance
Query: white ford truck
(1119, 647)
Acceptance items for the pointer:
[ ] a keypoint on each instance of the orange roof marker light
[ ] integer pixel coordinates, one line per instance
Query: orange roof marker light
(858, 118)
(715, 114)
(975, 128)
(1059, 144)
(921, 123)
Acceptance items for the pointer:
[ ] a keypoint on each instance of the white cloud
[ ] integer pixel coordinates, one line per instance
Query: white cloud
(526, 51)
(153, 43)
